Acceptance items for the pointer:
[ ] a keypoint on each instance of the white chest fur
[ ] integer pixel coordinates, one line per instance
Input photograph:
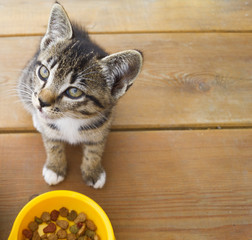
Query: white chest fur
(69, 129)
(66, 129)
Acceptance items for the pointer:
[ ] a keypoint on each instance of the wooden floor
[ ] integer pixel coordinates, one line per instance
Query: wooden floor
(179, 157)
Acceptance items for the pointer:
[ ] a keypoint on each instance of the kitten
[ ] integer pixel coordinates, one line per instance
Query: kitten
(70, 87)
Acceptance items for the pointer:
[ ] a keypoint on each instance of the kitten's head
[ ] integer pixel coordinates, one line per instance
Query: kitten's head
(76, 78)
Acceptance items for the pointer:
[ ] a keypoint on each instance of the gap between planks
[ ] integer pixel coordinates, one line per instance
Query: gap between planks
(21, 131)
(133, 32)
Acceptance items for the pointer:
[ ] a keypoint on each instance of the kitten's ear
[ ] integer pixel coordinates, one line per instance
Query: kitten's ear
(121, 69)
(59, 27)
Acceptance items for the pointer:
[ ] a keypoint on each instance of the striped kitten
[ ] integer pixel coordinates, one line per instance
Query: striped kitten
(70, 87)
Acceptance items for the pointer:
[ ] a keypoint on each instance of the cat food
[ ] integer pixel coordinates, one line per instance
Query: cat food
(54, 215)
(90, 225)
(74, 229)
(80, 218)
(46, 217)
(27, 233)
(50, 228)
(72, 215)
(71, 236)
(61, 224)
(52, 237)
(38, 220)
(62, 234)
(63, 212)
(33, 226)
(36, 236)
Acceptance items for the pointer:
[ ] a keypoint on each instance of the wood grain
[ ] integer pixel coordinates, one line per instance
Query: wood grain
(24, 17)
(160, 184)
(188, 80)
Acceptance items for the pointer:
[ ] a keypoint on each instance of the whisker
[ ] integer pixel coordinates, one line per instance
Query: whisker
(29, 103)
(26, 92)
(101, 114)
(25, 85)
(23, 97)
(71, 115)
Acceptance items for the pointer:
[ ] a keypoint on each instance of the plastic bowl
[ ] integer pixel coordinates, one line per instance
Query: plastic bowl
(57, 199)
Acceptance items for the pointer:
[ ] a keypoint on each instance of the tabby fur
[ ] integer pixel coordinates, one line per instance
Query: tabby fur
(70, 87)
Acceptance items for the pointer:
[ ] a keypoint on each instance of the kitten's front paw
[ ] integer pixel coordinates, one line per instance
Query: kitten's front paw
(51, 177)
(95, 181)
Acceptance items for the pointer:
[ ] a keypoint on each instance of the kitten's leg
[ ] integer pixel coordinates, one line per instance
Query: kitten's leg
(54, 170)
(91, 168)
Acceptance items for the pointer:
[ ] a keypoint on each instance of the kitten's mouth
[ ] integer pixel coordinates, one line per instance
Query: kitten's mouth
(42, 113)
(47, 115)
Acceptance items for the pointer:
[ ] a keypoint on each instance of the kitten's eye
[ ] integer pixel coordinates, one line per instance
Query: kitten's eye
(74, 92)
(43, 73)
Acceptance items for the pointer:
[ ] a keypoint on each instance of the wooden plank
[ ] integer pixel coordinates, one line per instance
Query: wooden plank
(188, 80)
(160, 185)
(19, 17)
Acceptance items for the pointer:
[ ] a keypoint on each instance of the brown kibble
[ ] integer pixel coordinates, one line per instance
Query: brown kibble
(83, 228)
(46, 217)
(33, 226)
(36, 236)
(62, 234)
(84, 238)
(71, 236)
(90, 233)
(52, 237)
(54, 215)
(73, 229)
(80, 218)
(96, 237)
(79, 225)
(90, 225)
(64, 212)
(50, 228)
(27, 233)
(81, 231)
(62, 223)
(72, 215)
(38, 220)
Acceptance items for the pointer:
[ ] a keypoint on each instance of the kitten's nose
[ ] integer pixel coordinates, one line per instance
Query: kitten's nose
(43, 104)
(46, 98)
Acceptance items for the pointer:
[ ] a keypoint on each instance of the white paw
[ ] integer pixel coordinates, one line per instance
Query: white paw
(51, 177)
(101, 181)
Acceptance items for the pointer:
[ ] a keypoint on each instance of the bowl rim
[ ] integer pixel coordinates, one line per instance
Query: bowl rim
(65, 193)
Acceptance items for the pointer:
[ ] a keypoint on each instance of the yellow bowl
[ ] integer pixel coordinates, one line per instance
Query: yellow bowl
(57, 199)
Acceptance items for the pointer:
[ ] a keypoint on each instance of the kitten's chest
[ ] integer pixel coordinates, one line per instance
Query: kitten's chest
(66, 129)
(69, 130)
